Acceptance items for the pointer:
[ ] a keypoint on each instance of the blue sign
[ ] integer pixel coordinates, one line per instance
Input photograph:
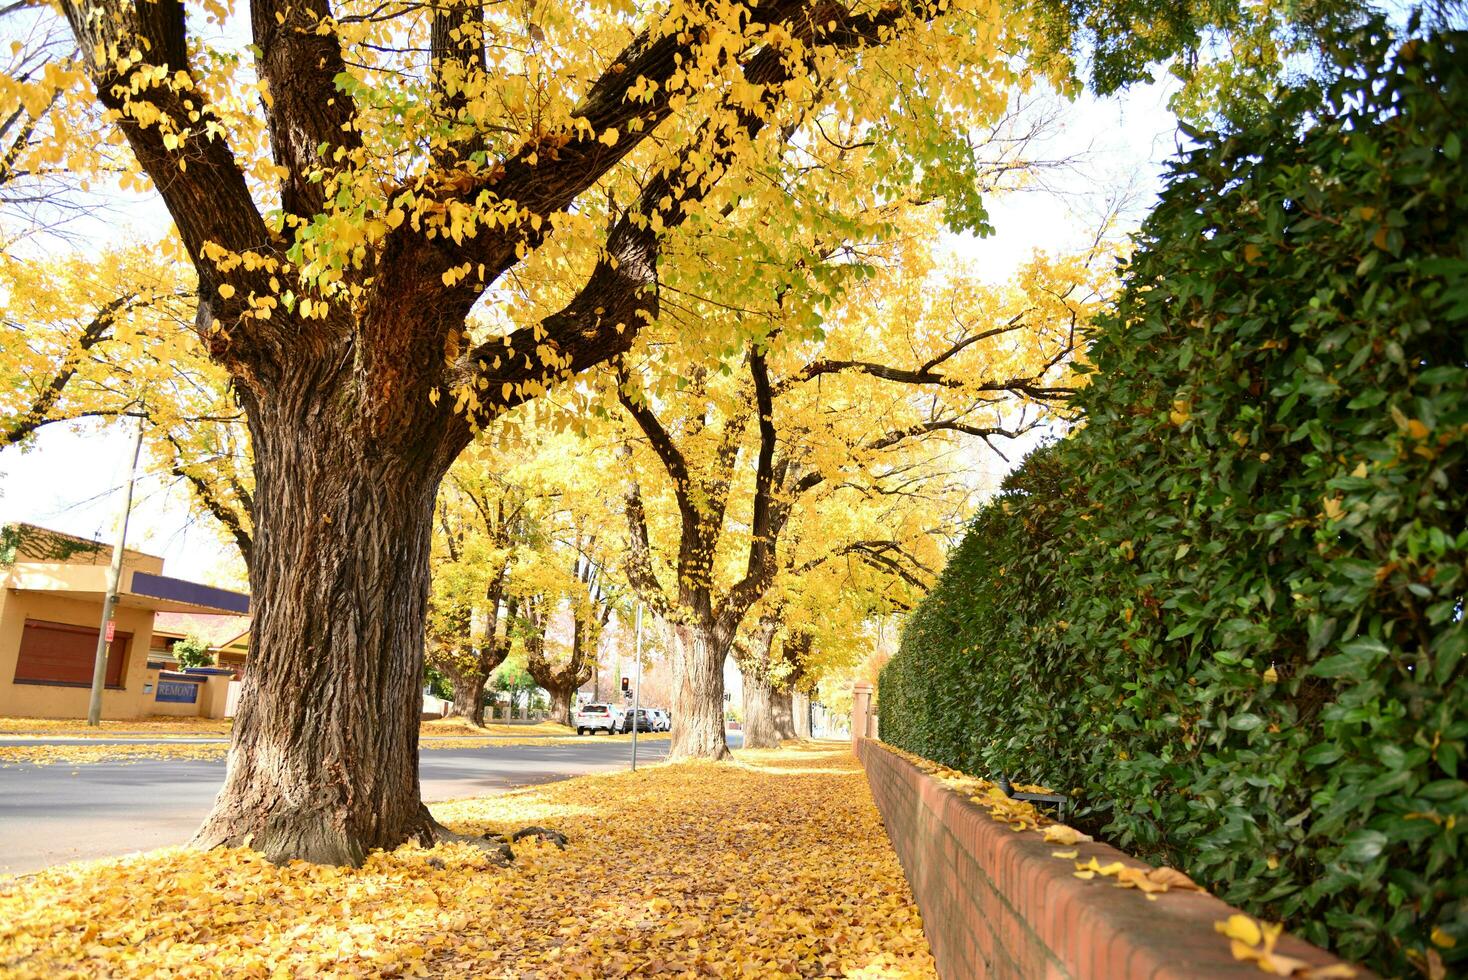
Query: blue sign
(179, 692)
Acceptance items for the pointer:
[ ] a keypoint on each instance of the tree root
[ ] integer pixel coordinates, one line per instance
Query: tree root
(496, 846)
(540, 833)
(320, 842)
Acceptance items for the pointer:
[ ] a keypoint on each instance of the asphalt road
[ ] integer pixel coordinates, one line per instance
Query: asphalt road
(57, 813)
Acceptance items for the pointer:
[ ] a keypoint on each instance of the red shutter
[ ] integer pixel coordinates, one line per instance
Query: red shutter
(55, 653)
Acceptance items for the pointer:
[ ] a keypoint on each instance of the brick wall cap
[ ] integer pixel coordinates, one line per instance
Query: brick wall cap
(1173, 936)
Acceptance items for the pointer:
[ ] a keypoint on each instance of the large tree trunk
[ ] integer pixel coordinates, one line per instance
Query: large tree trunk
(324, 760)
(759, 710)
(800, 702)
(698, 694)
(561, 681)
(561, 699)
(784, 716)
(468, 700)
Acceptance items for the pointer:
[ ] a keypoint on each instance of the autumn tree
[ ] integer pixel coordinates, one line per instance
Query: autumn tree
(854, 552)
(406, 220)
(97, 335)
(485, 521)
(894, 369)
(589, 599)
(99, 340)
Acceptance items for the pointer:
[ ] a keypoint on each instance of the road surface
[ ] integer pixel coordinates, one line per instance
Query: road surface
(63, 812)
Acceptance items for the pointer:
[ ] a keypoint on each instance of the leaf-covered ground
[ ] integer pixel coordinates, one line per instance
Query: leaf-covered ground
(154, 726)
(163, 726)
(82, 753)
(775, 865)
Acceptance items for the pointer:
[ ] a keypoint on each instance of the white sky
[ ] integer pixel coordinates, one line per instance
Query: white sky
(71, 479)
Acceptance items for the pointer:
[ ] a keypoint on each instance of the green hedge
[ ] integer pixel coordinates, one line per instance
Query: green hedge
(1227, 613)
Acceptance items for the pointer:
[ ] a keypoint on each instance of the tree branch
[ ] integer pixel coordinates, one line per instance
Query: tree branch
(212, 501)
(620, 296)
(767, 522)
(926, 373)
(638, 563)
(97, 330)
(457, 53)
(310, 118)
(183, 150)
(662, 443)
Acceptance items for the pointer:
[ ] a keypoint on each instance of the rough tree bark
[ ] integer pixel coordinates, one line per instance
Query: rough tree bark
(560, 705)
(800, 702)
(783, 713)
(468, 702)
(753, 656)
(698, 693)
(759, 711)
(794, 654)
(324, 762)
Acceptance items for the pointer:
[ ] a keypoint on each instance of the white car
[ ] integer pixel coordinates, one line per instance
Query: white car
(597, 718)
(661, 721)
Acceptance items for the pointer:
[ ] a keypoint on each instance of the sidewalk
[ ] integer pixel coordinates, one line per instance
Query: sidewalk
(776, 865)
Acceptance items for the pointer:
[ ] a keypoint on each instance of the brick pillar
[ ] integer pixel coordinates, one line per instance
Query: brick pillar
(861, 711)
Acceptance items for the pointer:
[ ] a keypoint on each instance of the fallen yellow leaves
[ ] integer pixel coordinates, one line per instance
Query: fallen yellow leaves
(164, 749)
(1149, 881)
(82, 753)
(1019, 815)
(776, 866)
(1061, 834)
(462, 726)
(1254, 942)
(469, 742)
(1250, 940)
(76, 728)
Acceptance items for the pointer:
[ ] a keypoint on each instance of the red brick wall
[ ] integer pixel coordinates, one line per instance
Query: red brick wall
(995, 903)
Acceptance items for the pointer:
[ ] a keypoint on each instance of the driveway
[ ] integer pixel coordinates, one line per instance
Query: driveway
(57, 813)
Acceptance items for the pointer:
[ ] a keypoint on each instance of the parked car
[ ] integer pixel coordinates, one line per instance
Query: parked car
(644, 721)
(597, 718)
(661, 720)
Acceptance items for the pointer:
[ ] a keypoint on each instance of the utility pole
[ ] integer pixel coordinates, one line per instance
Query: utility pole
(114, 576)
(637, 687)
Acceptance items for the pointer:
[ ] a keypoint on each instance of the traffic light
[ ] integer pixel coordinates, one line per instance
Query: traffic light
(626, 684)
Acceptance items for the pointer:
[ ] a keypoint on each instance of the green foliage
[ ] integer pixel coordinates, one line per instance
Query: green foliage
(193, 651)
(438, 685)
(1228, 612)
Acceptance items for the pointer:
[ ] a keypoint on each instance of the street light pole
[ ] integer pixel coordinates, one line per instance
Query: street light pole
(637, 687)
(114, 576)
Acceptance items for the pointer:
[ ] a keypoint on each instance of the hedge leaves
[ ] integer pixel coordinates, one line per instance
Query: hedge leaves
(1228, 612)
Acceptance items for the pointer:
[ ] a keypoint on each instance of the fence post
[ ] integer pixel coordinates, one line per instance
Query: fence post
(861, 711)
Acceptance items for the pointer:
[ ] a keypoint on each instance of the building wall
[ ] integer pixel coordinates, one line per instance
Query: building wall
(41, 546)
(52, 701)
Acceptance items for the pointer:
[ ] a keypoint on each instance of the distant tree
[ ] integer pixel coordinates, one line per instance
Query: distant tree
(193, 651)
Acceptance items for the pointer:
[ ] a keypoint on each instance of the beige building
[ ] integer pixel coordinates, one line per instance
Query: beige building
(51, 591)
